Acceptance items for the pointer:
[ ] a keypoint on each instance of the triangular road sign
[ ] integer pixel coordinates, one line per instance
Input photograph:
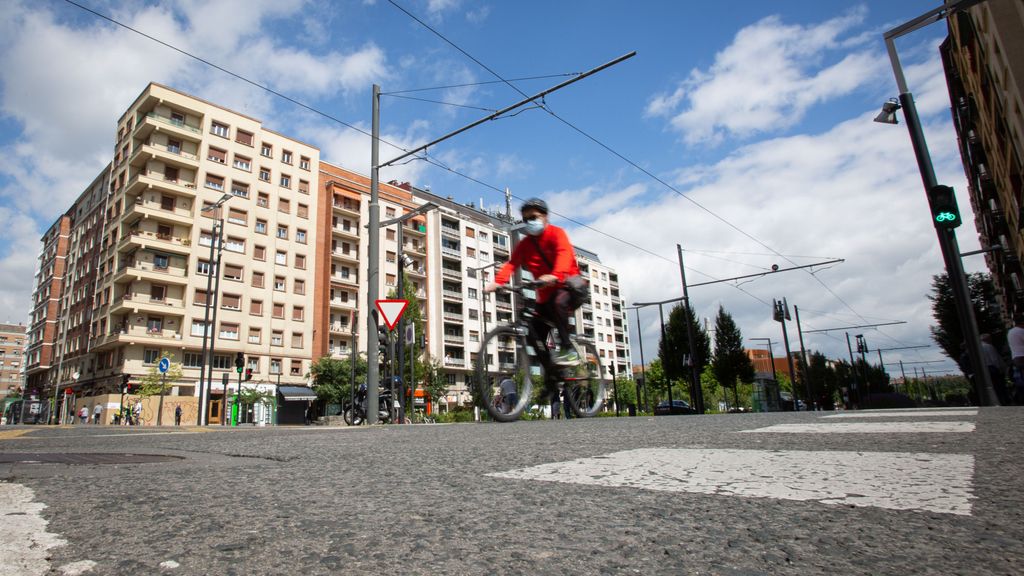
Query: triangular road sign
(391, 310)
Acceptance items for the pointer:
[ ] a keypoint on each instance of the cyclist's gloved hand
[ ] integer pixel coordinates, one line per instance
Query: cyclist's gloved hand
(548, 279)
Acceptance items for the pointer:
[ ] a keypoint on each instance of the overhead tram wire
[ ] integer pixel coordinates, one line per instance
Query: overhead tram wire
(563, 75)
(443, 103)
(619, 155)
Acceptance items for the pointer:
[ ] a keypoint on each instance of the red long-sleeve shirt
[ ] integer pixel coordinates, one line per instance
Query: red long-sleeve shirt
(558, 250)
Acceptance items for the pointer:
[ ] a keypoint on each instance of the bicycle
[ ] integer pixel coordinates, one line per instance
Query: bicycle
(525, 358)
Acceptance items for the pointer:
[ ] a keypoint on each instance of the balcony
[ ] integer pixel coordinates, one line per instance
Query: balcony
(349, 232)
(417, 249)
(346, 256)
(344, 305)
(455, 362)
(450, 232)
(451, 273)
(454, 339)
(349, 280)
(136, 303)
(149, 209)
(347, 208)
(417, 272)
(139, 335)
(163, 153)
(505, 306)
(452, 295)
(143, 270)
(144, 181)
(339, 328)
(501, 249)
(452, 316)
(154, 122)
(451, 252)
(152, 240)
(413, 228)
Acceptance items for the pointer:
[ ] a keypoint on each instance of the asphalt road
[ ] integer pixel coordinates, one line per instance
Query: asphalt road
(936, 492)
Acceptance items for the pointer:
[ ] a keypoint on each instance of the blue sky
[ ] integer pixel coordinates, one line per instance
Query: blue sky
(757, 116)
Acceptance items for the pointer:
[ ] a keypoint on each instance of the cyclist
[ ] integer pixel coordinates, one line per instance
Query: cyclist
(547, 253)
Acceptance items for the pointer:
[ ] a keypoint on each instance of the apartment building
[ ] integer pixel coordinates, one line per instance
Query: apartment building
(983, 59)
(44, 313)
(341, 282)
(180, 164)
(12, 360)
(603, 318)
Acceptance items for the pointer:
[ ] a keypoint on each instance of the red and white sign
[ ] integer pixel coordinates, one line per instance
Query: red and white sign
(391, 311)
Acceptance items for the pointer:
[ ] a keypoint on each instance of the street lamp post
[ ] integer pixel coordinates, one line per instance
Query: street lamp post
(862, 347)
(206, 360)
(946, 236)
(643, 371)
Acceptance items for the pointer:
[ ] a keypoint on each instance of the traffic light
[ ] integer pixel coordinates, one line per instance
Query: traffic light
(248, 374)
(383, 339)
(239, 362)
(125, 386)
(945, 212)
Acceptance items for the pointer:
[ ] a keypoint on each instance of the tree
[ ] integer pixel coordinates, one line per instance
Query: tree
(434, 382)
(731, 365)
(332, 378)
(676, 344)
(152, 383)
(947, 332)
(826, 383)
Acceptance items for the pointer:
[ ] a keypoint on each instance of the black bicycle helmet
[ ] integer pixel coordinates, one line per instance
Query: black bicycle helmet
(536, 204)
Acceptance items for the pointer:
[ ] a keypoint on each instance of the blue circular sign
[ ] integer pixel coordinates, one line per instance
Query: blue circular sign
(165, 364)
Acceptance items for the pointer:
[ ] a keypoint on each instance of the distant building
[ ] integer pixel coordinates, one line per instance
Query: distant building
(12, 360)
(983, 59)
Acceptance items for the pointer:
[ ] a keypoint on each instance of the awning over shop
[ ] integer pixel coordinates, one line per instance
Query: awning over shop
(292, 393)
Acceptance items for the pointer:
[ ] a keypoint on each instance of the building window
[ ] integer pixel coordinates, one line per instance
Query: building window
(391, 280)
(231, 302)
(243, 137)
(390, 234)
(298, 313)
(304, 163)
(235, 245)
(199, 298)
(279, 284)
(157, 293)
(150, 356)
(254, 336)
(389, 212)
(219, 129)
(299, 286)
(232, 272)
(303, 187)
(296, 340)
(264, 174)
(296, 368)
(282, 232)
(256, 307)
(286, 181)
(239, 189)
(259, 253)
(286, 156)
(215, 182)
(262, 200)
(281, 258)
(275, 365)
(278, 310)
(300, 261)
(267, 150)
(160, 262)
(243, 163)
(203, 267)
(277, 338)
(261, 226)
(302, 211)
(216, 155)
(257, 279)
(300, 236)
(284, 206)
(198, 328)
(236, 216)
(229, 331)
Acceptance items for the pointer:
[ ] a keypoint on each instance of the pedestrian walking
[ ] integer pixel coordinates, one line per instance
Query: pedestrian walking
(97, 411)
(177, 415)
(1015, 339)
(83, 415)
(996, 369)
(137, 413)
(509, 394)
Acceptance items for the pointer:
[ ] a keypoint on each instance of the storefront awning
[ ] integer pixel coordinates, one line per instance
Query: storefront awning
(292, 393)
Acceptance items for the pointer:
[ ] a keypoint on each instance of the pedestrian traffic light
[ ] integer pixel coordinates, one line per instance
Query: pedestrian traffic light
(248, 374)
(239, 362)
(945, 212)
(125, 387)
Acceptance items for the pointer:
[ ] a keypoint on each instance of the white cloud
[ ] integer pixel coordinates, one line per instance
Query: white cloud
(765, 80)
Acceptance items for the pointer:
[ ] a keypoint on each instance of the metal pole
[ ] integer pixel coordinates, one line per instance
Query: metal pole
(160, 406)
(803, 357)
(212, 327)
(373, 266)
(789, 360)
(664, 378)
(615, 388)
(643, 370)
(412, 375)
(401, 328)
(204, 383)
(853, 371)
(696, 393)
(947, 237)
(352, 369)
(904, 373)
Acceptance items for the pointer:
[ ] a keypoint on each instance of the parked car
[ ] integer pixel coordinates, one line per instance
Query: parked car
(677, 407)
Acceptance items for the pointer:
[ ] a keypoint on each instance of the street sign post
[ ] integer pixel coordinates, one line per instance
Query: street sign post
(164, 365)
(391, 311)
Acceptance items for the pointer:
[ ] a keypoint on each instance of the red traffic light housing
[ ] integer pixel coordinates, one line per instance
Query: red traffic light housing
(248, 374)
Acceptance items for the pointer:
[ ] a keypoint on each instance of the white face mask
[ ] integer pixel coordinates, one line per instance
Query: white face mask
(534, 226)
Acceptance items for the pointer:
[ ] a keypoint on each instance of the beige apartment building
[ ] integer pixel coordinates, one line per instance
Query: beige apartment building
(983, 59)
(175, 156)
(12, 360)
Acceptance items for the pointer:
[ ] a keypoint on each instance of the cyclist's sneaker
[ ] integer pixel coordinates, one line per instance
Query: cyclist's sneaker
(567, 357)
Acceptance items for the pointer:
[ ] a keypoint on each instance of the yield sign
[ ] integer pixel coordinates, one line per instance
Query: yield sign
(391, 310)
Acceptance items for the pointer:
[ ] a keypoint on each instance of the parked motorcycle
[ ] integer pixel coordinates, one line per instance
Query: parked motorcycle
(358, 416)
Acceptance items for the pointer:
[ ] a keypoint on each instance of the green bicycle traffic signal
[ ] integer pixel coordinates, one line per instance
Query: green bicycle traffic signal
(945, 212)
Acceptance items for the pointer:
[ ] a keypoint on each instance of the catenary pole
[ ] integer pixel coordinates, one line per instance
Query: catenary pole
(373, 267)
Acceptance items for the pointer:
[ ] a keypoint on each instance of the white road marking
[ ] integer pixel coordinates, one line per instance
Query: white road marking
(893, 480)
(77, 568)
(867, 427)
(903, 414)
(24, 541)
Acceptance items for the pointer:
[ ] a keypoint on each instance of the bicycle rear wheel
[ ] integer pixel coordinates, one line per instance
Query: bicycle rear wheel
(504, 383)
(584, 385)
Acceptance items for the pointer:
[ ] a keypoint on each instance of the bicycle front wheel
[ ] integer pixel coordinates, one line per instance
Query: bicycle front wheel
(584, 385)
(504, 375)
